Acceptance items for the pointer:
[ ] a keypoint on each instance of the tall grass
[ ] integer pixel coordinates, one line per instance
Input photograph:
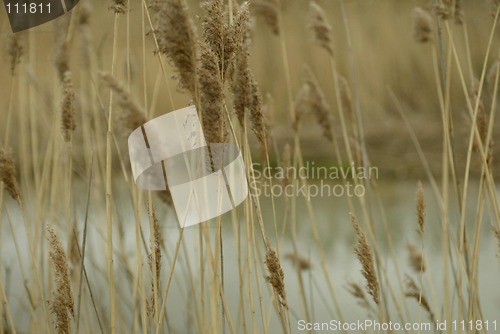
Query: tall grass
(129, 266)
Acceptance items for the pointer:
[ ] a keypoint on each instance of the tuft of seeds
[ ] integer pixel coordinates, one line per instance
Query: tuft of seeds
(268, 11)
(414, 292)
(68, 124)
(133, 115)
(276, 276)
(8, 174)
(61, 303)
(420, 205)
(175, 33)
(318, 105)
(119, 6)
(211, 97)
(155, 266)
(256, 114)
(321, 29)
(416, 258)
(364, 253)
(423, 25)
(14, 51)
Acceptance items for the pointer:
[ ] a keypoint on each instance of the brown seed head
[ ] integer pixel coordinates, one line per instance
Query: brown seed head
(276, 276)
(423, 25)
(364, 253)
(321, 29)
(175, 33)
(61, 303)
(415, 258)
(14, 51)
(8, 174)
(68, 124)
(414, 292)
(268, 11)
(420, 204)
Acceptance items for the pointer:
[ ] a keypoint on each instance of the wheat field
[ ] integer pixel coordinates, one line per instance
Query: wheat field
(367, 130)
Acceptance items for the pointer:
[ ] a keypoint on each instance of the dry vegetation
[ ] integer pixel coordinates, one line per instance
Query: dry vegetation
(352, 81)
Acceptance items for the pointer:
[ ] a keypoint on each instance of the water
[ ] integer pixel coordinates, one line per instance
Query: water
(337, 239)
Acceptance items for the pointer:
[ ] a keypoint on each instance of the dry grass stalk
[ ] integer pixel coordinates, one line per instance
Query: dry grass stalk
(364, 253)
(133, 115)
(492, 75)
(481, 121)
(156, 244)
(68, 123)
(276, 276)
(414, 292)
(286, 164)
(14, 51)
(299, 261)
(175, 33)
(496, 233)
(211, 97)
(8, 174)
(416, 258)
(119, 6)
(321, 29)
(423, 25)
(268, 11)
(318, 105)
(61, 303)
(420, 205)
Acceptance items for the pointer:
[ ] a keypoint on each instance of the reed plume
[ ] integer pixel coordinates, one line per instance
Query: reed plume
(359, 294)
(176, 37)
(416, 258)
(268, 11)
(119, 6)
(420, 205)
(211, 97)
(321, 29)
(132, 116)
(301, 105)
(61, 303)
(364, 253)
(299, 261)
(155, 266)
(237, 39)
(414, 292)
(240, 83)
(318, 105)
(14, 51)
(276, 276)
(84, 29)
(68, 124)
(256, 114)
(8, 174)
(61, 56)
(423, 25)
(215, 27)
